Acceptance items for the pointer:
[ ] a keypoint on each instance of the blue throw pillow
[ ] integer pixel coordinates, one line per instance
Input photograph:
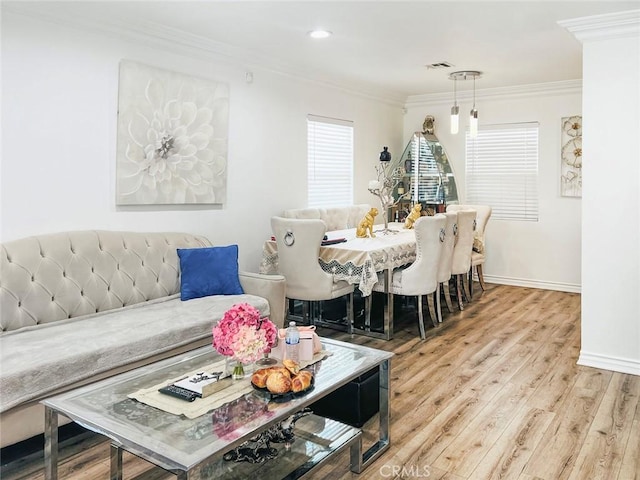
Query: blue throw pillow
(209, 271)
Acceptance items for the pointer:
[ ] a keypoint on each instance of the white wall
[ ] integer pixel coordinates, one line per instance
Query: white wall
(611, 217)
(543, 254)
(59, 92)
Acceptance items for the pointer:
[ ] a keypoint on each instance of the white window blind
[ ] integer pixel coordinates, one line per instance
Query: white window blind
(330, 162)
(502, 170)
(425, 179)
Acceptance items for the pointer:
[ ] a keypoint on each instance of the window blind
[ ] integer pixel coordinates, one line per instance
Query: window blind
(502, 170)
(330, 162)
(425, 179)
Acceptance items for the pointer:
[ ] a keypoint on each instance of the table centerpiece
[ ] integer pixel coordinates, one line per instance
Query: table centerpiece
(243, 336)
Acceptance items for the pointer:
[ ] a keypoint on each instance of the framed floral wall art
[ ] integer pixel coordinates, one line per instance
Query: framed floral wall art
(571, 169)
(172, 138)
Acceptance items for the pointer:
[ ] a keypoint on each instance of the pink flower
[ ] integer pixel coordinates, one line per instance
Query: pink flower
(242, 334)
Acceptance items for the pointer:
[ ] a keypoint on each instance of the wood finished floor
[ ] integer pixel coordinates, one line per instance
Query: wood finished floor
(493, 393)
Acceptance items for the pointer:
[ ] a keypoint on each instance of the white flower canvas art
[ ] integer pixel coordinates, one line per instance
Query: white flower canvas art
(172, 138)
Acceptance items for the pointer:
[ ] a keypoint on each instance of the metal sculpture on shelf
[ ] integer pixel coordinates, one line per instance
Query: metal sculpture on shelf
(258, 449)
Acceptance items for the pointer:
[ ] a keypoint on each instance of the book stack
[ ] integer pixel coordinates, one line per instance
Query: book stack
(204, 383)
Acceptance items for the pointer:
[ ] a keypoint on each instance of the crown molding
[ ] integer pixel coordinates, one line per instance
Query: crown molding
(604, 27)
(564, 87)
(184, 43)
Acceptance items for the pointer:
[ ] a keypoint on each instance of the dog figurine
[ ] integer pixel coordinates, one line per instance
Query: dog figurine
(413, 216)
(365, 227)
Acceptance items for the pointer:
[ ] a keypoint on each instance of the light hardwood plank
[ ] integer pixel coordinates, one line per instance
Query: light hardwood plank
(511, 452)
(630, 468)
(565, 436)
(601, 455)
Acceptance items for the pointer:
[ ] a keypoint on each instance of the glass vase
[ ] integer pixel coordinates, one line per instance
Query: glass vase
(237, 369)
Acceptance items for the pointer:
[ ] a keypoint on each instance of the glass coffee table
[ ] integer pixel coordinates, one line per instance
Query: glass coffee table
(194, 448)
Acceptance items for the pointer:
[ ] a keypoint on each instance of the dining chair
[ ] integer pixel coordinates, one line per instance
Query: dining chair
(461, 261)
(421, 277)
(444, 267)
(478, 252)
(298, 242)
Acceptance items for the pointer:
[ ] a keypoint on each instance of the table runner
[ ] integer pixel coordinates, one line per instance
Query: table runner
(236, 389)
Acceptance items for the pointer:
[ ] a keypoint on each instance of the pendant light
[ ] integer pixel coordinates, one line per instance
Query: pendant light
(473, 115)
(455, 110)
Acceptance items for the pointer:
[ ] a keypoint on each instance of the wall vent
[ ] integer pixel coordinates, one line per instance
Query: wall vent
(439, 65)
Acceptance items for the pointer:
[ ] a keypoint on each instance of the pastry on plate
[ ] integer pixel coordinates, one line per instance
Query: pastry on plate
(259, 377)
(278, 382)
(292, 366)
(302, 381)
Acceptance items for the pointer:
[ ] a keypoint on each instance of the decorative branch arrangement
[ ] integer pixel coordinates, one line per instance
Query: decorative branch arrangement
(384, 187)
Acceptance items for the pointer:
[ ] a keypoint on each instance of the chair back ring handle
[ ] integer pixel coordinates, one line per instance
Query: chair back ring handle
(474, 225)
(442, 235)
(289, 238)
(455, 229)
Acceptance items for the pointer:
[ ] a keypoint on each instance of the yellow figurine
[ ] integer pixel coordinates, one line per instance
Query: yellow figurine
(366, 224)
(413, 216)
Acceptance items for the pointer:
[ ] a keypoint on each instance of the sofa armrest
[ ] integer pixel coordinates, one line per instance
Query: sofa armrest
(271, 287)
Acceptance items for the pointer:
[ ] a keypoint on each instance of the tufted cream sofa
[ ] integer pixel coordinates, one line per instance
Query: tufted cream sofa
(336, 218)
(76, 307)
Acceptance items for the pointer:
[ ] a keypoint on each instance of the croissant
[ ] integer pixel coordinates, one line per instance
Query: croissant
(301, 382)
(292, 366)
(278, 382)
(259, 378)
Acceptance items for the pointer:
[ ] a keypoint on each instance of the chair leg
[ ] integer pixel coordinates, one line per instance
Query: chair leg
(420, 318)
(480, 277)
(350, 314)
(438, 304)
(307, 318)
(467, 293)
(367, 312)
(447, 296)
(459, 291)
(432, 310)
(470, 281)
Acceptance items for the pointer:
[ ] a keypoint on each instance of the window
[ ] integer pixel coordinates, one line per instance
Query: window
(330, 162)
(502, 170)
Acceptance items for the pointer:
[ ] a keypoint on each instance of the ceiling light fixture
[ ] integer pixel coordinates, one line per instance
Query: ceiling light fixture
(455, 110)
(320, 33)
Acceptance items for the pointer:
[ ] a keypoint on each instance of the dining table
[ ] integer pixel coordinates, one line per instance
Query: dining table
(356, 260)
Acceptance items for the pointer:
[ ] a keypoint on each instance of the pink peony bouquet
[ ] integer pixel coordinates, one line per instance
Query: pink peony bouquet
(243, 335)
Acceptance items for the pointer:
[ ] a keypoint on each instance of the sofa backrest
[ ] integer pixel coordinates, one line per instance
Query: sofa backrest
(64, 275)
(336, 218)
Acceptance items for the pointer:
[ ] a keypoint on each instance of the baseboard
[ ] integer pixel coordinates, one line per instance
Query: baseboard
(622, 365)
(524, 282)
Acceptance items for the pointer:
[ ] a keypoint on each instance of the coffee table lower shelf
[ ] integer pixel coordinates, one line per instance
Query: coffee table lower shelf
(316, 440)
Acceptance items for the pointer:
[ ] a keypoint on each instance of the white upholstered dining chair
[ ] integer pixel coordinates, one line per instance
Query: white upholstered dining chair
(298, 242)
(421, 277)
(461, 261)
(483, 213)
(336, 218)
(444, 267)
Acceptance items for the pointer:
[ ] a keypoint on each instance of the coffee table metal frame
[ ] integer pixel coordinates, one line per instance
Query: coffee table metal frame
(346, 362)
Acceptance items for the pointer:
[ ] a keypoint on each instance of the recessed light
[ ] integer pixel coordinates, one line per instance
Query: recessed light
(319, 33)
